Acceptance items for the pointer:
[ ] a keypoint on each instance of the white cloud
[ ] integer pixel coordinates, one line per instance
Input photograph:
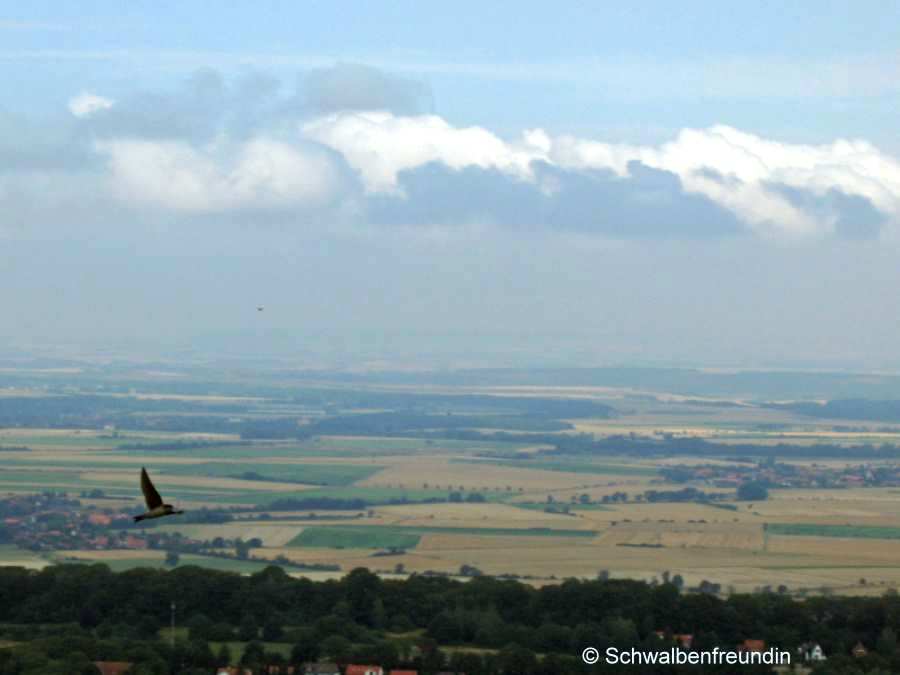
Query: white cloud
(737, 170)
(260, 174)
(380, 145)
(86, 104)
(774, 189)
(747, 166)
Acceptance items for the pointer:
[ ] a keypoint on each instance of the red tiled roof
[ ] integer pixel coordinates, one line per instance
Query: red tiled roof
(686, 640)
(113, 667)
(362, 670)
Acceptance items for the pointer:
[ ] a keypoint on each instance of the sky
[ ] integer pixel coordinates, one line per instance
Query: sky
(471, 184)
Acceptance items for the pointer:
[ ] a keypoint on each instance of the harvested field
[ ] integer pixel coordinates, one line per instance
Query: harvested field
(271, 534)
(474, 515)
(842, 531)
(12, 556)
(416, 473)
(744, 536)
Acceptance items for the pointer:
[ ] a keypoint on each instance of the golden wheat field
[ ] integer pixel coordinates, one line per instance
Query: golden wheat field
(474, 515)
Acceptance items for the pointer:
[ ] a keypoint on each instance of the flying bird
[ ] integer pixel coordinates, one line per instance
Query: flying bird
(260, 308)
(155, 506)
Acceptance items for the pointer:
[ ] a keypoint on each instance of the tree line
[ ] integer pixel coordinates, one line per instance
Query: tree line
(351, 617)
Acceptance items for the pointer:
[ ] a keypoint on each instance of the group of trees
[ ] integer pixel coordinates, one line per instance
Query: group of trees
(89, 411)
(349, 618)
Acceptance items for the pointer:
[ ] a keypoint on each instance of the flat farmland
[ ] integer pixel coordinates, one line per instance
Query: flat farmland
(51, 439)
(450, 475)
(13, 556)
(369, 445)
(738, 422)
(355, 537)
(200, 481)
(476, 515)
(737, 536)
(860, 506)
(570, 466)
(272, 534)
(385, 536)
(667, 513)
(308, 473)
(838, 531)
(598, 486)
(120, 561)
(805, 539)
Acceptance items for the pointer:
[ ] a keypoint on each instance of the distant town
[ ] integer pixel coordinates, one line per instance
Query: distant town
(773, 474)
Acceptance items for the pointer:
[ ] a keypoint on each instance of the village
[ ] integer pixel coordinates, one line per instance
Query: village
(773, 474)
(124, 667)
(49, 521)
(806, 656)
(53, 522)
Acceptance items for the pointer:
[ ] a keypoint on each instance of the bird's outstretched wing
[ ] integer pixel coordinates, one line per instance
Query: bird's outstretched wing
(151, 496)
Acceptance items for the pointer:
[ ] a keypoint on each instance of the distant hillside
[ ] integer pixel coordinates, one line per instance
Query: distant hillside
(757, 384)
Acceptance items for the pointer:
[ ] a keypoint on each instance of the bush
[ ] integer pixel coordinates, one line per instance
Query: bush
(752, 491)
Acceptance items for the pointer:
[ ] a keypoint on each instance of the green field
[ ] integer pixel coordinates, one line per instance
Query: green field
(355, 537)
(392, 536)
(847, 531)
(569, 467)
(372, 495)
(312, 474)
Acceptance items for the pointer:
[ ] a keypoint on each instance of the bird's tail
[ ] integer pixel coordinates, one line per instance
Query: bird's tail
(138, 518)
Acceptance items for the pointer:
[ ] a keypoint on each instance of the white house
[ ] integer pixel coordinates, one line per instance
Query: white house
(811, 651)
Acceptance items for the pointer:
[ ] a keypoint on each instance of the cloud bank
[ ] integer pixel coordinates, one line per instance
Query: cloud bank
(357, 145)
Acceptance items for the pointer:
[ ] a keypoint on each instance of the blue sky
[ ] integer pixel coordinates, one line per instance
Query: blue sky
(638, 72)
(462, 183)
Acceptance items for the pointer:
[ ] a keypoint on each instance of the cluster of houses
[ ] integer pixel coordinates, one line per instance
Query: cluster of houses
(324, 669)
(780, 475)
(47, 522)
(123, 668)
(43, 522)
(808, 652)
(53, 522)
